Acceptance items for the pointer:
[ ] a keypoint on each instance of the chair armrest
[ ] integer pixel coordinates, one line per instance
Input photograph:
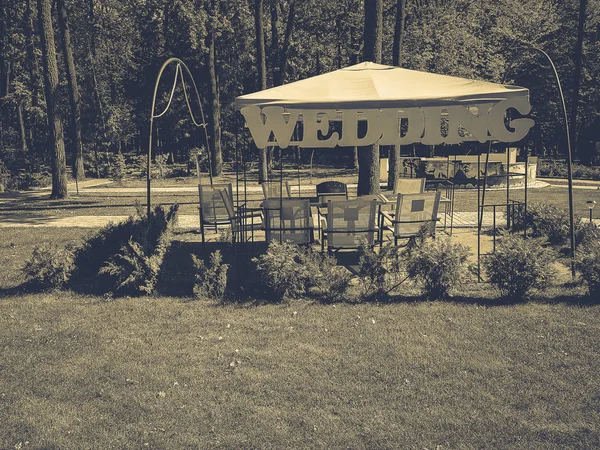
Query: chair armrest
(387, 215)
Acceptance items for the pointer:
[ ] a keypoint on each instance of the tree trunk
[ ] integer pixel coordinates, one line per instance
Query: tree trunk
(22, 133)
(4, 70)
(34, 73)
(74, 100)
(368, 156)
(98, 99)
(215, 109)
(393, 166)
(283, 55)
(262, 77)
(373, 33)
(577, 57)
(56, 145)
(399, 32)
(274, 47)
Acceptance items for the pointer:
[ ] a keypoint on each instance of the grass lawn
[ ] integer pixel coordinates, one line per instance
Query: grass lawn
(164, 372)
(80, 372)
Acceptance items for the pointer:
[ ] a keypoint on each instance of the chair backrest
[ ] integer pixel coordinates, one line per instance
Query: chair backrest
(212, 207)
(409, 185)
(288, 220)
(413, 211)
(228, 203)
(272, 189)
(332, 187)
(351, 222)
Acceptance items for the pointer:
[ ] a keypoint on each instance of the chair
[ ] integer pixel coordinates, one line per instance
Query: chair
(272, 189)
(413, 211)
(409, 186)
(288, 220)
(242, 221)
(212, 210)
(331, 190)
(349, 224)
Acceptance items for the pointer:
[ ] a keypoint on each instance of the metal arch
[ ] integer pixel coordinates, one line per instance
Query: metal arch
(178, 73)
(526, 46)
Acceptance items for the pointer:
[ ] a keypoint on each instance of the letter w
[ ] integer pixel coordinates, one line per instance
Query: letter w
(274, 123)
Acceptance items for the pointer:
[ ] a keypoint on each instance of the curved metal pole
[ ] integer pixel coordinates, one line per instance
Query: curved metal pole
(569, 155)
(178, 73)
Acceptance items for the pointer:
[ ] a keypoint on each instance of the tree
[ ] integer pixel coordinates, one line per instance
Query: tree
(279, 75)
(56, 145)
(262, 76)
(214, 104)
(74, 99)
(394, 151)
(368, 156)
(577, 57)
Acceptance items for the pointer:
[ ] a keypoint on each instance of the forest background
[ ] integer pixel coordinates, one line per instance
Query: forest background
(89, 66)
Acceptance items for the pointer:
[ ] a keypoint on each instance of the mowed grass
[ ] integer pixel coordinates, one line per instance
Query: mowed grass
(162, 372)
(83, 373)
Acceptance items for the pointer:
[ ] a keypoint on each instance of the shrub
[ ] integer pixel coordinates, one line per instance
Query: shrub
(587, 261)
(50, 267)
(332, 282)
(137, 246)
(134, 269)
(118, 168)
(380, 272)
(552, 222)
(519, 266)
(210, 280)
(290, 270)
(438, 265)
(283, 270)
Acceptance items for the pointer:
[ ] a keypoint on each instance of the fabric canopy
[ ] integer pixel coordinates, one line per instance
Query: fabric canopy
(370, 85)
(393, 105)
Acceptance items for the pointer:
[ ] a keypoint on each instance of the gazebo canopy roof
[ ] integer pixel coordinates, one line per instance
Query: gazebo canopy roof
(370, 85)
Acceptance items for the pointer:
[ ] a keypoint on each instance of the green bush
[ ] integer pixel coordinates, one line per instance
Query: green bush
(381, 271)
(552, 222)
(587, 261)
(332, 282)
(50, 267)
(118, 168)
(546, 220)
(290, 271)
(439, 265)
(125, 257)
(519, 266)
(210, 280)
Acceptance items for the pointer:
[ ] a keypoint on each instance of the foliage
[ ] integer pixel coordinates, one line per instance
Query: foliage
(210, 280)
(380, 271)
(50, 267)
(559, 169)
(519, 266)
(290, 270)
(439, 265)
(552, 222)
(118, 168)
(548, 220)
(332, 282)
(125, 257)
(587, 261)
(135, 270)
